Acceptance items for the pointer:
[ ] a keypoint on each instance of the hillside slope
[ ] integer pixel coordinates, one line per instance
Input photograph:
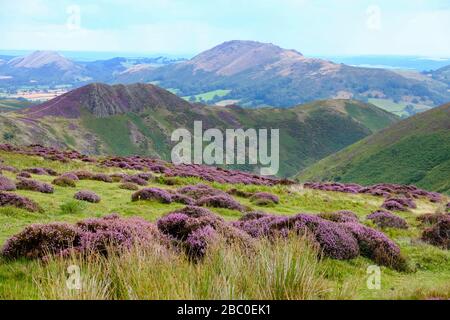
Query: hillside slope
(139, 119)
(264, 74)
(413, 151)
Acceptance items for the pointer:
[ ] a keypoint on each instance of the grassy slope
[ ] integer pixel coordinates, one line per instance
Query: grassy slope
(414, 151)
(308, 133)
(13, 104)
(340, 279)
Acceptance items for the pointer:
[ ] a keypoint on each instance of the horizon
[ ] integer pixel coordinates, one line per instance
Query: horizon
(352, 28)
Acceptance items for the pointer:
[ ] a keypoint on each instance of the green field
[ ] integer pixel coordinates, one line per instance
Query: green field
(287, 269)
(397, 108)
(208, 96)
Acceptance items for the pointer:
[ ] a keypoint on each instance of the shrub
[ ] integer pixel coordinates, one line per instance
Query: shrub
(264, 199)
(239, 193)
(41, 171)
(117, 177)
(86, 195)
(39, 240)
(152, 194)
(200, 191)
(135, 179)
(33, 185)
(377, 246)
(181, 198)
(13, 200)
(199, 240)
(102, 177)
(432, 218)
(394, 205)
(438, 234)
(83, 175)
(64, 181)
(384, 219)
(447, 207)
(23, 174)
(339, 216)
(129, 186)
(6, 184)
(220, 201)
(70, 176)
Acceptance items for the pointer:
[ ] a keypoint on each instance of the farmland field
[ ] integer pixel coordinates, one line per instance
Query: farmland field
(208, 96)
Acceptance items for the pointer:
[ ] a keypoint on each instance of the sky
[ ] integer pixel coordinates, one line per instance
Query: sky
(187, 27)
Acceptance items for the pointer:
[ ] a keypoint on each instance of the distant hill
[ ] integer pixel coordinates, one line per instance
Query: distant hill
(264, 74)
(413, 151)
(442, 74)
(139, 119)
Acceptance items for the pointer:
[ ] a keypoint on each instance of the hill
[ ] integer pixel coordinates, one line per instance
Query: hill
(140, 118)
(258, 74)
(413, 151)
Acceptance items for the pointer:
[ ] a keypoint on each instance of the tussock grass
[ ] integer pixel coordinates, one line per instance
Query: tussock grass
(283, 269)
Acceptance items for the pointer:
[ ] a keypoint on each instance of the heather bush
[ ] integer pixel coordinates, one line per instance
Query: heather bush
(114, 233)
(377, 246)
(102, 177)
(438, 234)
(41, 171)
(156, 194)
(117, 177)
(135, 179)
(220, 201)
(39, 240)
(70, 176)
(129, 186)
(432, 218)
(64, 181)
(23, 174)
(6, 184)
(199, 240)
(384, 219)
(394, 205)
(14, 200)
(83, 175)
(88, 196)
(33, 185)
(264, 199)
(181, 198)
(339, 216)
(200, 191)
(239, 193)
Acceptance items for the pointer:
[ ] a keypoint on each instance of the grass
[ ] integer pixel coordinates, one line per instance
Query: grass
(397, 108)
(287, 269)
(208, 96)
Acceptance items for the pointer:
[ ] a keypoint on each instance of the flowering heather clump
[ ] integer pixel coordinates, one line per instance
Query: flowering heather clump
(89, 196)
(33, 185)
(199, 191)
(135, 179)
(41, 171)
(83, 175)
(181, 198)
(129, 186)
(334, 186)
(6, 184)
(24, 174)
(384, 219)
(14, 200)
(432, 218)
(8, 168)
(339, 216)
(195, 228)
(199, 240)
(239, 193)
(220, 201)
(152, 194)
(64, 181)
(406, 202)
(70, 176)
(264, 199)
(394, 205)
(102, 177)
(101, 234)
(438, 234)
(39, 240)
(377, 246)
